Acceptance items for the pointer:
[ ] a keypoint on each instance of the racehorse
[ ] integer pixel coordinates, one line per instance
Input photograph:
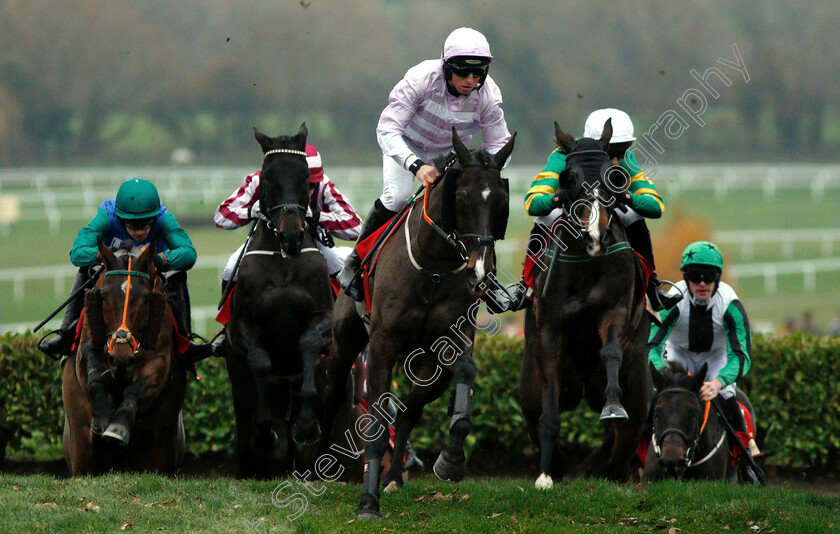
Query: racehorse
(424, 297)
(689, 439)
(586, 333)
(279, 325)
(128, 323)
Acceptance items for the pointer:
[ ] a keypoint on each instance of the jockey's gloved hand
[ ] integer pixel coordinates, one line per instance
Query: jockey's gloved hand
(160, 261)
(94, 270)
(254, 211)
(623, 200)
(557, 199)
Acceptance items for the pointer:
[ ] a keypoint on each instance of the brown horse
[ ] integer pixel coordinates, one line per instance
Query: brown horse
(129, 334)
(425, 292)
(586, 335)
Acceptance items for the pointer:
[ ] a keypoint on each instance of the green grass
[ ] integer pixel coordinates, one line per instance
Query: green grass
(150, 503)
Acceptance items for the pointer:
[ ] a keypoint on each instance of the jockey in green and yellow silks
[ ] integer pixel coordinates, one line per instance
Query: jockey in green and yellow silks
(642, 201)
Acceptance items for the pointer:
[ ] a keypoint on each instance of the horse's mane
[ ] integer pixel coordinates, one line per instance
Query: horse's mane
(676, 376)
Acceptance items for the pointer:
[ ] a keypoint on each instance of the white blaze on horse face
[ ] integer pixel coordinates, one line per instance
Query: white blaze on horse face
(485, 193)
(124, 286)
(479, 268)
(592, 224)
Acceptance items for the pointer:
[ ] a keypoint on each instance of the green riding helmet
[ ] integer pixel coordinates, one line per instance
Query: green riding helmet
(137, 199)
(702, 253)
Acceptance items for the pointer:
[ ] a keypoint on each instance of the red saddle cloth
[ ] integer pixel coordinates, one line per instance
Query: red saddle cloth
(366, 246)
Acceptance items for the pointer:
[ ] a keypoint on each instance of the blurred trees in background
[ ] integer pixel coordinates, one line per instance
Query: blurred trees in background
(128, 81)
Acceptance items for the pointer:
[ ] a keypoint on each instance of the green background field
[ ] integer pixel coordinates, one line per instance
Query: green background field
(31, 243)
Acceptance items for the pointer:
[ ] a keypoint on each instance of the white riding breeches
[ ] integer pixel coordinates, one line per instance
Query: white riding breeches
(397, 184)
(335, 259)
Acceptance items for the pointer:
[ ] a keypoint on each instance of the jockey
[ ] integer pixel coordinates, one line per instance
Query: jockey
(135, 217)
(640, 199)
(710, 326)
(416, 127)
(336, 216)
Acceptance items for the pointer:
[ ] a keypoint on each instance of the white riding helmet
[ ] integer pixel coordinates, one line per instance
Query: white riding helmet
(621, 124)
(466, 42)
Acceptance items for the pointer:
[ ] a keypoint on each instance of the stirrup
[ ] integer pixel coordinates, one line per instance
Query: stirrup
(668, 301)
(53, 352)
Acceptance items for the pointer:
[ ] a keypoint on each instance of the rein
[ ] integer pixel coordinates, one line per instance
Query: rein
(455, 238)
(123, 334)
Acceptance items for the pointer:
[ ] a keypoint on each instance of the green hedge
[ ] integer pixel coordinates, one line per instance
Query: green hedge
(792, 386)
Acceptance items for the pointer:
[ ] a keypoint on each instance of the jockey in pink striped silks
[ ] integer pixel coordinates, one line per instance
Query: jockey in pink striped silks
(337, 216)
(416, 126)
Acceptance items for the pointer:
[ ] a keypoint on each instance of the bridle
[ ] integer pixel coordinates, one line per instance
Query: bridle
(123, 333)
(697, 431)
(286, 208)
(455, 238)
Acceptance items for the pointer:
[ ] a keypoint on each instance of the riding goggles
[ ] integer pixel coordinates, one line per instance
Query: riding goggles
(138, 224)
(464, 71)
(697, 277)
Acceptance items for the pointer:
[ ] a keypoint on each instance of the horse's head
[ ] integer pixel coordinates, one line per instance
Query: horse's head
(475, 208)
(284, 185)
(677, 417)
(124, 311)
(589, 183)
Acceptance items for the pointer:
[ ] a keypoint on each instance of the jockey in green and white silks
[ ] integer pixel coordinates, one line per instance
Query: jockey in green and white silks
(700, 329)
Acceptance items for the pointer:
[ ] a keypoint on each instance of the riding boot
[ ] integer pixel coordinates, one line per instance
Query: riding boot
(516, 296)
(177, 292)
(60, 343)
(349, 278)
(639, 237)
(736, 418)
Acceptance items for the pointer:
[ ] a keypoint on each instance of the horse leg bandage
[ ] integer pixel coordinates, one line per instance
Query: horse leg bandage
(370, 482)
(461, 404)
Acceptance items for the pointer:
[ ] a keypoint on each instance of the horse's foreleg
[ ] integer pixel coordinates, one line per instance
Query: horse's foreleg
(99, 382)
(451, 463)
(549, 425)
(375, 432)
(612, 356)
(306, 430)
(123, 420)
(258, 363)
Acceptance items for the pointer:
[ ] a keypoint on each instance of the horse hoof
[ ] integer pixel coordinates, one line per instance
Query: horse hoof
(99, 424)
(614, 411)
(448, 471)
(367, 515)
(309, 437)
(117, 432)
(544, 482)
(393, 486)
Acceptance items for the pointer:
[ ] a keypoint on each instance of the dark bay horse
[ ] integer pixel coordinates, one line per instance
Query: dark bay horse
(128, 324)
(425, 290)
(689, 438)
(586, 335)
(279, 326)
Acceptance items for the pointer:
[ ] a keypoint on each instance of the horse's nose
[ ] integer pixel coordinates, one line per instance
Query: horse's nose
(673, 466)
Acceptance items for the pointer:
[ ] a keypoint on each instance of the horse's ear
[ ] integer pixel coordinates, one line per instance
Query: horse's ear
(108, 257)
(699, 377)
(606, 135)
(460, 148)
(300, 137)
(504, 153)
(658, 379)
(263, 140)
(563, 139)
(145, 262)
